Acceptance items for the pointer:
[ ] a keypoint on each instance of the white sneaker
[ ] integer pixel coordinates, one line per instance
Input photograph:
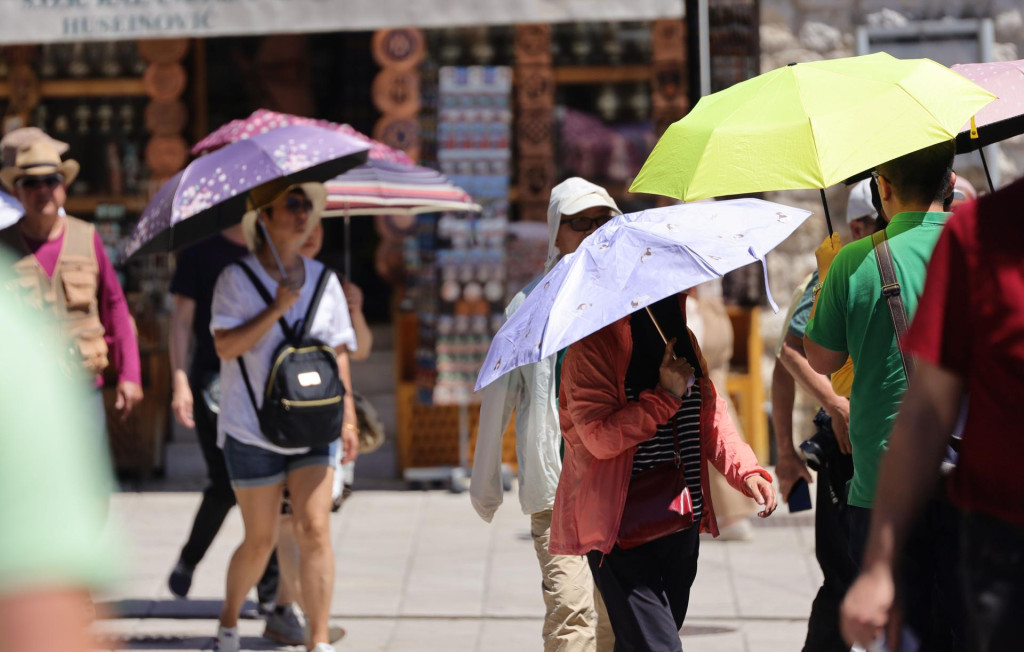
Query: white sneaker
(227, 640)
(322, 647)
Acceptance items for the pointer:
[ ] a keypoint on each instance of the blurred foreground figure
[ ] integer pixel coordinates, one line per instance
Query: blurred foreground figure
(56, 478)
(968, 340)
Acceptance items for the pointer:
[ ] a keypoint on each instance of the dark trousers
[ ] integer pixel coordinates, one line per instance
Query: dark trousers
(647, 590)
(992, 567)
(831, 548)
(218, 497)
(928, 588)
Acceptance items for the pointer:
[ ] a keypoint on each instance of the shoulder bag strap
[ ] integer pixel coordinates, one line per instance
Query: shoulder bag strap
(265, 294)
(321, 285)
(891, 292)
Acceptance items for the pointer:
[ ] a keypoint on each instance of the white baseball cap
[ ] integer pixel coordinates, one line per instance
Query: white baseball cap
(859, 204)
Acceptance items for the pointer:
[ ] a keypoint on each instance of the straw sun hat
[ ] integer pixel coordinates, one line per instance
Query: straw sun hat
(36, 158)
(265, 195)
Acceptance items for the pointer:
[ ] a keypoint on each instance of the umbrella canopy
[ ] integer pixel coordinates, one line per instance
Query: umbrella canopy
(1002, 118)
(262, 120)
(631, 262)
(11, 210)
(809, 125)
(211, 193)
(381, 188)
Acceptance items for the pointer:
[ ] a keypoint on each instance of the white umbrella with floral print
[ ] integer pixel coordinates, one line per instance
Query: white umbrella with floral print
(631, 262)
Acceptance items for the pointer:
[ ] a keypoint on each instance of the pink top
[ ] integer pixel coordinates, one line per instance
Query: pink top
(114, 315)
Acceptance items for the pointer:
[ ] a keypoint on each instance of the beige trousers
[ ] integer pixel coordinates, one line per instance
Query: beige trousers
(576, 620)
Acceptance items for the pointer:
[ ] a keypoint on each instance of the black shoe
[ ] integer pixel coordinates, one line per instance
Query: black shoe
(180, 580)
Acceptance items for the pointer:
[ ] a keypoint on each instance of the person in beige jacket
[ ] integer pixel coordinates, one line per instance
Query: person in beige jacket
(576, 209)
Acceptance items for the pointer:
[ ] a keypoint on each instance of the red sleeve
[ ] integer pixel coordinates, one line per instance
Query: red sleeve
(590, 387)
(940, 332)
(116, 320)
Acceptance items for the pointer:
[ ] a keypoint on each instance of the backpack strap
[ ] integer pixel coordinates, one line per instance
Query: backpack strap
(891, 291)
(265, 294)
(321, 285)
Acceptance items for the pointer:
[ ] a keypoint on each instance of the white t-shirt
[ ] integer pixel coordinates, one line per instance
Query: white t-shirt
(235, 302)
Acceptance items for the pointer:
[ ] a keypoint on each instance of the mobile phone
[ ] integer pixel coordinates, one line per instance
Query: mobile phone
(800, 496)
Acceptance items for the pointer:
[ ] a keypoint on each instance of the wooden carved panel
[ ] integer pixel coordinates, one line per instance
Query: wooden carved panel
(534, 132)
(535, 100)
(533, 44)
(397, 92)
(536, 177)
(668, 40)
(396, 88)
(165, 80)
(399, 49)
(535, 86)
(400, 133)
(670, 84)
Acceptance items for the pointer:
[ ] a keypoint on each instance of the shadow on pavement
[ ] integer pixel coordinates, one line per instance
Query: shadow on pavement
(158, 642)
(169, 609)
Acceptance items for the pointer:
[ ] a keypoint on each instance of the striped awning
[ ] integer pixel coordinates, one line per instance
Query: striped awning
(383, 188)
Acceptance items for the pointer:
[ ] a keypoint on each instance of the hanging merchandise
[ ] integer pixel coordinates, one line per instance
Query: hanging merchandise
(474, 129)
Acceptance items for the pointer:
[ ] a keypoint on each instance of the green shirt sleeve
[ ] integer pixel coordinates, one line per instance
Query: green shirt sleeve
(54, 472)
(828, 326)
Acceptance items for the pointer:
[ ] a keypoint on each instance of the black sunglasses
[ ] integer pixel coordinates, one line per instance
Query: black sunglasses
(296, 205)
(584, 224)
(50, 181)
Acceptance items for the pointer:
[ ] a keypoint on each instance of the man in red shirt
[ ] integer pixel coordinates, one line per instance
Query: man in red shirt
(968, 341)
(62, 267)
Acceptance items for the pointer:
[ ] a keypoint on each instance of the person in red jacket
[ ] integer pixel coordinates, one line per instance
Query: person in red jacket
(625, 407)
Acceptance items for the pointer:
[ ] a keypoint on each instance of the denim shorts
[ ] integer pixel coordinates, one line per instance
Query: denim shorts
(252, 466)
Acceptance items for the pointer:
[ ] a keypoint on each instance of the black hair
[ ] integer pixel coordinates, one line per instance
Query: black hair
(921, 177)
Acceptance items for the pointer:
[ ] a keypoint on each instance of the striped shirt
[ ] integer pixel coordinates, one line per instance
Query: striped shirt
(661, 447)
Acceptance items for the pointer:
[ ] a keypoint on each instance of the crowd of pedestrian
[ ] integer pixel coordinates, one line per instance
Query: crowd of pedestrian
(910, 338)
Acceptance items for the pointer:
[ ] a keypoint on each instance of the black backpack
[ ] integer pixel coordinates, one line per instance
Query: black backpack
(303, 404)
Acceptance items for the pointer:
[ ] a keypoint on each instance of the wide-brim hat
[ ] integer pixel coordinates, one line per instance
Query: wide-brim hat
(267, 194)
(36, 158)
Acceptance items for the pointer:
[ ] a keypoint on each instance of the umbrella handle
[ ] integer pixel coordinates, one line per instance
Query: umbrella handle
(828, 218)
(658, 326)
(273, 250)
(984, 164)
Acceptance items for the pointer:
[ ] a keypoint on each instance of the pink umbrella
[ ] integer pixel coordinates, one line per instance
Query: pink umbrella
(263, 120)
(1000, 119)
(387, 184)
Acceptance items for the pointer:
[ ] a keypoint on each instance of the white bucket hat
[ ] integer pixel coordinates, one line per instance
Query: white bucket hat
(568, 198)
(264, 196)
(859, 204)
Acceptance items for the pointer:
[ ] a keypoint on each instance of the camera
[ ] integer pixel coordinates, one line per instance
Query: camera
(819, 448)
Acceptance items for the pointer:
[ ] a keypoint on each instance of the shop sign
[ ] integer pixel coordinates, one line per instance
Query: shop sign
(51, 21)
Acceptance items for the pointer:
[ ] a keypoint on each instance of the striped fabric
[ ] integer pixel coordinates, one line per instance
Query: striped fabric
(661, 448)
(380, 187)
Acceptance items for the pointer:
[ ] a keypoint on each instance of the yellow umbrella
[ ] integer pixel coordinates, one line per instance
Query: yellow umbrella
(809, 125)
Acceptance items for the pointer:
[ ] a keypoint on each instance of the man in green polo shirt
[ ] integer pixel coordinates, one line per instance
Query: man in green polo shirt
(851, 317)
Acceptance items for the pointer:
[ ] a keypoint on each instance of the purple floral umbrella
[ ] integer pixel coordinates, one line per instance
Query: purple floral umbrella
(211, 193)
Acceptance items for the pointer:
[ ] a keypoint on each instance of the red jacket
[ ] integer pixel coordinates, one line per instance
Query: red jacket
(602, 429)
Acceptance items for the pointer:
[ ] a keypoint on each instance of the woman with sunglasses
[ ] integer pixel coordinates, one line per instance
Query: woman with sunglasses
(245, 326)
